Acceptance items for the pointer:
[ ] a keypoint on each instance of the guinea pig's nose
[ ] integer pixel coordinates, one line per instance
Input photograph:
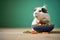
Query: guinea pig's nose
(35, 13)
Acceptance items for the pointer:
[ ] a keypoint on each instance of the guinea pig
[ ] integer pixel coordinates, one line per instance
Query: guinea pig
(41, 16)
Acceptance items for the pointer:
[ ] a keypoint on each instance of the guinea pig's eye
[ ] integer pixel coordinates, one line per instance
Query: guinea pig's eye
(39, 10)
(34, 9)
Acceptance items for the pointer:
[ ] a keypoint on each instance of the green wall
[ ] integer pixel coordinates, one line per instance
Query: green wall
(19, 13)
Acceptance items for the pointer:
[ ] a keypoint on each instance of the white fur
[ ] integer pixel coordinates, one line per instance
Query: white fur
(40, 15)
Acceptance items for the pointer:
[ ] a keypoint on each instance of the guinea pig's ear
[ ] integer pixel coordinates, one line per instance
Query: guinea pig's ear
(44, 6)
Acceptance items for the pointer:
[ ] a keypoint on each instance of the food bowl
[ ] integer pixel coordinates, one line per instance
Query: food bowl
(46, 28)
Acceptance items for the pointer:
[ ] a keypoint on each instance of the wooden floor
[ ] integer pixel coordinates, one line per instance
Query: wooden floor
(17, 34)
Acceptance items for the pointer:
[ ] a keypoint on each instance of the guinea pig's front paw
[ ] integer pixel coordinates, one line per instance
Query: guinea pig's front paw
(39, 24)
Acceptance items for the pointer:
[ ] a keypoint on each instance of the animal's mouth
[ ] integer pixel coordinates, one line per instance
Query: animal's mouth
(36, 16)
